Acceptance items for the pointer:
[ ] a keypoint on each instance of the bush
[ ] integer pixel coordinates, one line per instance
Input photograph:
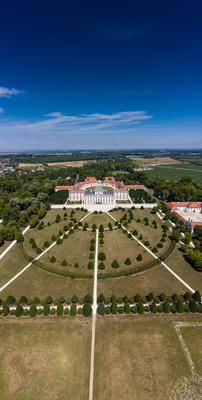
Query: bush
(101, 256)
(128, 261)
(166, 307)
(10, 300)
(75, 299)
(6, 310)
(23, 300)
(101, 309)
(32, 310)
(101, 265)
(139, 257)
(59, 241)
(52, 259)
(193, 306)
(73, 310)
(91, 256)
(114, 308)
(180, 306)
(18, 310)
(46, 309)
(140, 308)
(153, 307)
(59, 310)
(197, 296)
(115, 264)
(127, 308)
(88, 299)
(76, 265)
(87, 310)
(90, 265)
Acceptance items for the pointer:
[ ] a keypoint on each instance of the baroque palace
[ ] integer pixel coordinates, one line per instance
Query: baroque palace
(93, 191)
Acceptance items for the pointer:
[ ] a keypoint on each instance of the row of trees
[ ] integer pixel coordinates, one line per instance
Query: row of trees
(165, 307)
(33, 310)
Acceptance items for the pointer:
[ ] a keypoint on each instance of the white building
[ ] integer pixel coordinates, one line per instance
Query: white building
(92, 191)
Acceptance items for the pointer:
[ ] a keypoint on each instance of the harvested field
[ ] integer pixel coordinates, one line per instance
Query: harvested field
(77, 164)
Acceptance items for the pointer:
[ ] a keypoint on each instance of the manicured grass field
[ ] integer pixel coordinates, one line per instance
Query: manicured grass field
(40, 236)
(37, 282)
(179, 265)
(74, 249)
(98, 219)
(155, 280)
(11, 264)
(40, 359)
(176, 172)
(118, 246)
(153, 236)
(138, 358)
(4, 246)
(193, 339)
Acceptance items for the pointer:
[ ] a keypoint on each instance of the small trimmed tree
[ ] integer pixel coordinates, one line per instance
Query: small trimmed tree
(139, 257)
(128, 261)
(115, 264)
(32, 310)
(59, 310)
(18, 310)
(101, 256)
(88, 299)
(87, 310)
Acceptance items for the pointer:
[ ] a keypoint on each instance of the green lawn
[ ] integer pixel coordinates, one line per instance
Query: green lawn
(98, 219)
(74, 249)
(40, 359)
(11, 264)
(118, 246)
(40, 236)
(176, 172)
(155, 280)
(37, 282)
(179, 265)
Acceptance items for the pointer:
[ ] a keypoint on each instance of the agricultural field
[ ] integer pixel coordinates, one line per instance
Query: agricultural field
(144, 161)
(176, 172)
(75, 164)
(48, 365)
(130, 363)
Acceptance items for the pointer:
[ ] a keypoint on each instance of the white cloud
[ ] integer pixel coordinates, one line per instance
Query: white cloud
(1, 110)
(9, 92)
(58, 124)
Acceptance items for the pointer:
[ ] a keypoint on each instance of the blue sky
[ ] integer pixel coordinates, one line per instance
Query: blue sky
(104, 74)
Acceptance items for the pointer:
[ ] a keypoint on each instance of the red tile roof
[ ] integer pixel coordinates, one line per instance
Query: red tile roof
(135, 186)
(64, 187)
(175, 204)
